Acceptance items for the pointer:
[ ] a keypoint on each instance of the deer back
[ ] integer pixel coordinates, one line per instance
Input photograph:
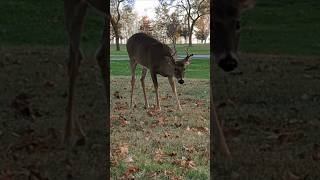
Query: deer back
(150, 53)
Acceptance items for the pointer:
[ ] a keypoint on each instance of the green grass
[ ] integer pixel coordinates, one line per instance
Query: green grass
(42, 23)
(198, 69)
(195, 49)
(282, 27)
(147, 134)
(272, 27)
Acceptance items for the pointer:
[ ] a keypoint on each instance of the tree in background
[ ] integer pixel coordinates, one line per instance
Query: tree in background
(194, 9)
(168, 23)
(184, 33)
(115, 9)
(145, 25)
(203, 28)
(161, 20)
(129, 22)
(173, 29)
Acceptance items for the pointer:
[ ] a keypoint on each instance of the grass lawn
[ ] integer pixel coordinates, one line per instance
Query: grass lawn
(166, 144)
(272, 27)
(195, 49)
(198, 69)
(282, 27)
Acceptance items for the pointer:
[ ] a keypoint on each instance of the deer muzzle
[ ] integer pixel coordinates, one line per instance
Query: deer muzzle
(229, 62)
(181, 81)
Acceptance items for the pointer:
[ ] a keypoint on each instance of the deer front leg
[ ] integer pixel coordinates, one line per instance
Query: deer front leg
(143, 76)
(155, 83)
(74, 12)
(174, 90)
(218, 136)
(133, 66)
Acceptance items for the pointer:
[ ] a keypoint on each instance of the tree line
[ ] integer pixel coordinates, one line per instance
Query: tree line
(173, 19)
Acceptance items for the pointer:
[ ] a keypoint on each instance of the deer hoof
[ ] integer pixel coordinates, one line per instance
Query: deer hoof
(81, 141)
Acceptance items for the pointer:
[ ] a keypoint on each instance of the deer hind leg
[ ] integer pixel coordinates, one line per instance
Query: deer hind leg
(143, 76)
(155, 83)
(174, 90)
(133, 66)
(219, 139)
(74, 11)
(103, 62)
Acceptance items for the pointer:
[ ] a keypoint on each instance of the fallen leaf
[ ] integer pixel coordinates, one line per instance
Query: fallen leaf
(189, 164)
(166, 135)
(123, 150)
(316, 152)
(123, 121)
(161, 120)
(129, 159)
(158, 156)
(199, 103)
(49, 84)
(290, 176)
(117, 95)
(130, 171)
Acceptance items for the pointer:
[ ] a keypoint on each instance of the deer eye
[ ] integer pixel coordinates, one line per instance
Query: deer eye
(237, 24)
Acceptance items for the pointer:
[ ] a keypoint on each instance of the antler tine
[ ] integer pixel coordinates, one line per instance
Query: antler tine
(187, 51)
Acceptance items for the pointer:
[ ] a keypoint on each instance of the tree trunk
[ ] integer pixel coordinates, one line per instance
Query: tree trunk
(190, 33)
(190, 39)
(117, 43)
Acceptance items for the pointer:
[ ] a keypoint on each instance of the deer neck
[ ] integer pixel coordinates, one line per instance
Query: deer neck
(166, 69)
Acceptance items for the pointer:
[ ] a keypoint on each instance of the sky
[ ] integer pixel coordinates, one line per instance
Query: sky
(146, 7)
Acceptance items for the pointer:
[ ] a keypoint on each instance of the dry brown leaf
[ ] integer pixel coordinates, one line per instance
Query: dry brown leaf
(290, 176)
(130, 171)
(113, 117)
(6, 174)
(172, 154)
(176, 178)
(189, 164)
(316, 152)
(152, 112)
(199, 103)
(166, 134)
(123, 121)
(117, 95)
(49, 84)
(161, 120)
(159, 156)
(129, 159)
(123, 150)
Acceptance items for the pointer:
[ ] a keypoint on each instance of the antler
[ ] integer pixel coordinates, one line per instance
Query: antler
(187, 51)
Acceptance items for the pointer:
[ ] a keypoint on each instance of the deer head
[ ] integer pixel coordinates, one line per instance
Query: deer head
(180, 66)
(227, 31)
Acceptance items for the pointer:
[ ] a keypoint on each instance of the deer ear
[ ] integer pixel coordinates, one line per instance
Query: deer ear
(187, 60)
(174, 54)
(246, 4)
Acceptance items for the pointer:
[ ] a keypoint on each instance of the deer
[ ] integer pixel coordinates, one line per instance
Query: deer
(75, 11)
(158, 58)
(226, 35)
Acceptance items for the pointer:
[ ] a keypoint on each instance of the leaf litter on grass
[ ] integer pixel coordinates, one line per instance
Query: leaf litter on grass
(157, 138)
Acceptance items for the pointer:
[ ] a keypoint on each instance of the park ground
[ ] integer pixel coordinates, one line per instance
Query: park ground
(269, 105)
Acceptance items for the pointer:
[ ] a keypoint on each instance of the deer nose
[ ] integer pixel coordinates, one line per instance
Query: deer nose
(228, 63)
(181, 81)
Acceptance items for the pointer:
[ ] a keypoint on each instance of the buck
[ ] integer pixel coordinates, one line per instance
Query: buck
(226, 33)
(159, 59)
(75, 11)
